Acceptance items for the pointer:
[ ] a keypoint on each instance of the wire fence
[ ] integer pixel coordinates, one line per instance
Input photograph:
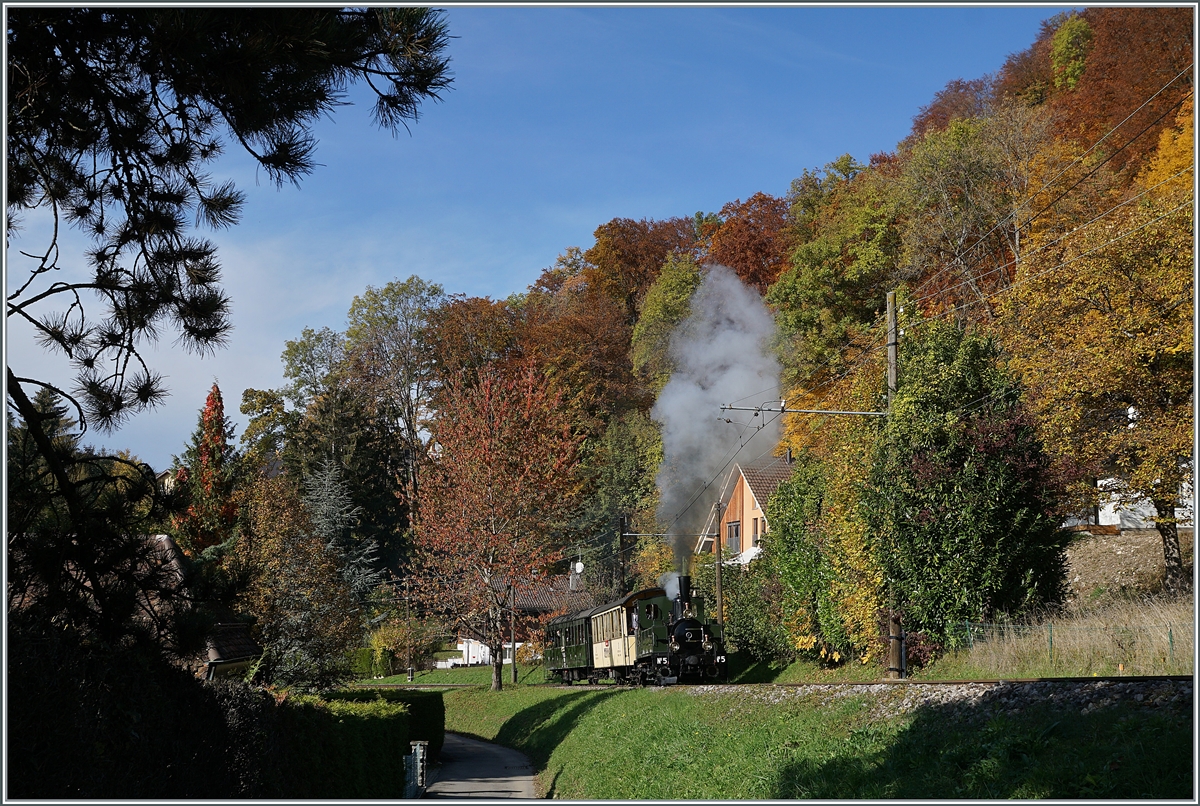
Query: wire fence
(1077, 649)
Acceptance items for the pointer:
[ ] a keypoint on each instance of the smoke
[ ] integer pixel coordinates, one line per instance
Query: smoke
(670, 583)
(721, 354)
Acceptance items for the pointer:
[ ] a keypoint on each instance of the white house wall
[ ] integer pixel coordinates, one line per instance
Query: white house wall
(1140, 515)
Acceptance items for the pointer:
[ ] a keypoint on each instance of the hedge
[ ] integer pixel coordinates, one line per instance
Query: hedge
(341, 749)
(427, 712)
(87, 721)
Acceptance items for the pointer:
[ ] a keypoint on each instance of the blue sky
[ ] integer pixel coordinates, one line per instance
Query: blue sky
(560, 119)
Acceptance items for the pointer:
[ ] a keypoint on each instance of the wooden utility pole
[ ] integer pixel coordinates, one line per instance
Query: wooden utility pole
(893, 347)
(622, 529)
(717, 582)
(896, 652)
(896, 649)
(512, 627)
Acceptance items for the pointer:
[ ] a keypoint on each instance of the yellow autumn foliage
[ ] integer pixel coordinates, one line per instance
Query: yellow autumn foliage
(844, 443)
(1171, 170)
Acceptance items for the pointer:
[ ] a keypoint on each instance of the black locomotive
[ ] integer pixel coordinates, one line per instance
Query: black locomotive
(644, 637)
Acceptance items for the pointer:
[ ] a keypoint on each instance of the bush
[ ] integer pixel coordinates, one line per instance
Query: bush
(340, 749)
(754, 616)
(960, 499)
(88, 721)
(93, 721)
(427, 712)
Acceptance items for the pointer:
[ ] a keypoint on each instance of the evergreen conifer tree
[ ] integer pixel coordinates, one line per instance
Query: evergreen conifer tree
(206, 474)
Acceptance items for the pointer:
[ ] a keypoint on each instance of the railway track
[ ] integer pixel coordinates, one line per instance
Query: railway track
(1004, 680)
(417, 685)
(919, 682)
(967, 698)
(862, 684)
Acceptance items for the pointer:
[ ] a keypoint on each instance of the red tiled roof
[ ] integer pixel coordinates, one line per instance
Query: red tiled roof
(550, 595)
(764, 476)
(231, 642)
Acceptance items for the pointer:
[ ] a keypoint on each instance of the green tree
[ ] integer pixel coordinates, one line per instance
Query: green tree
(337, 414)
(334, 517)
(270, 420)
(1069, 49)
(619, 466)
(667, 303)
(797, 554)
(312, 363)
(31, 485)
(811, 190)
(961, 503)
(116, 116)
(116, 585)
(836, 283)
(389, 357)
(306, 615)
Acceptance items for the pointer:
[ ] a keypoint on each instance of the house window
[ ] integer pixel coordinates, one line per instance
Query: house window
(755, 543)
(733, 538)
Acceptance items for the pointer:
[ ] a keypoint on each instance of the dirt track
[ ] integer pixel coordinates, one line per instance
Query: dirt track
(1105, 567)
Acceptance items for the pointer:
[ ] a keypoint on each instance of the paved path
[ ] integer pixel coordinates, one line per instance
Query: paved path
(474, 769)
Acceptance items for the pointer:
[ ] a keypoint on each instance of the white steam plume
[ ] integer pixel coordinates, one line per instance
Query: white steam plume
(721, 353)
(670, 583)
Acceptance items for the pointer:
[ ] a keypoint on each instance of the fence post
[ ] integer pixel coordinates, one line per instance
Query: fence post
(419, 750)
(410, 776)
(1170, 646)
(970, 638)
(1050, 638)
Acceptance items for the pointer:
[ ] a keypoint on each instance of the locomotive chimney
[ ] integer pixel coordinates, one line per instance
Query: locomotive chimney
(685, 591)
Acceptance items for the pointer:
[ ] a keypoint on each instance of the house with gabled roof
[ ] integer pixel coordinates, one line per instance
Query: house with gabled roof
(744, 507)
(534, 601)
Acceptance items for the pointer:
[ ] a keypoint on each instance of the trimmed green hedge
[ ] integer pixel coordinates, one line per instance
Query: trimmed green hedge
(341, 749)
(427, 710)
(86, 721)
(364, 664)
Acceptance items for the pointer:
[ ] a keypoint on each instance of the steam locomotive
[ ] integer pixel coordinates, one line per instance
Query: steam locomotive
(644, 637)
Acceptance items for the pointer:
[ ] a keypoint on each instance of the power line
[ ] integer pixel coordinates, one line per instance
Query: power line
(1067, 262)
(729, 460)
(919, 300)
(1065, 235)
(866, 353)
(1073, 163)
(1051, 204)
(1002, 393)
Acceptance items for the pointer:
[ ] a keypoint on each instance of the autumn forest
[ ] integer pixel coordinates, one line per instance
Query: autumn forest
(443, 454)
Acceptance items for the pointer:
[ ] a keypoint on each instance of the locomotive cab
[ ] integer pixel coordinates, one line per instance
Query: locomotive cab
(696, 648)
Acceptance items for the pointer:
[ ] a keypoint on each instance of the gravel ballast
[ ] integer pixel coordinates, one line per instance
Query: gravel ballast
(985, 698)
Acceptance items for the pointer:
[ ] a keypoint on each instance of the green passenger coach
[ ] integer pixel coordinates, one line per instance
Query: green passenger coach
(643, 637)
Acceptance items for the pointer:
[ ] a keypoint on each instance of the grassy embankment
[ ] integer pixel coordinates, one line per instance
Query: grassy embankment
(1142, 637)
(675, 743)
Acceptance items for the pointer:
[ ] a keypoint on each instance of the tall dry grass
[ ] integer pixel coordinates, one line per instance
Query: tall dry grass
(1141, 637)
